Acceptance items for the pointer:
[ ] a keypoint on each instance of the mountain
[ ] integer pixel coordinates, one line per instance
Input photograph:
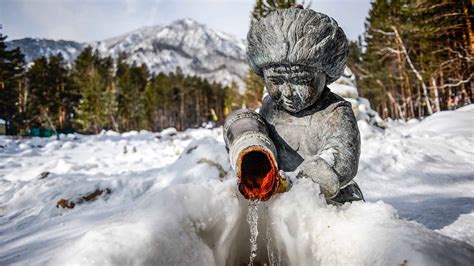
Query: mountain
(193, 47)
(35, 48)
(187, 44)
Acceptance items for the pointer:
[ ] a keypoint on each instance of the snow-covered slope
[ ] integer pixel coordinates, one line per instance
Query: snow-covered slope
(171, 202)
(187, 44)
(35, 48)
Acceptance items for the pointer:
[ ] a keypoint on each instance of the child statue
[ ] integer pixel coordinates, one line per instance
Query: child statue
(298, 52)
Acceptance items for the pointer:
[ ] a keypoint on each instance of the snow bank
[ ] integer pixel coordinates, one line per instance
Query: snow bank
(174, 201)
(310, 232)
(449, 123)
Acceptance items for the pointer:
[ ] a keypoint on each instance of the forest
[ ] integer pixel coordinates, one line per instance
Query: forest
(415, 58)
(101, 93)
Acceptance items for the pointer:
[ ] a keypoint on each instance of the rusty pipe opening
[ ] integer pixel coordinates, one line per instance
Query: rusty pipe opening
(258, 173)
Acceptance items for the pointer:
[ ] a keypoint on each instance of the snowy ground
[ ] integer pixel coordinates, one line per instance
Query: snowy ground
(169, 206)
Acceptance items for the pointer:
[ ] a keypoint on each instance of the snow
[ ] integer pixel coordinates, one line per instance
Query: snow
(442, 123)
(169, 206)
(344, 90)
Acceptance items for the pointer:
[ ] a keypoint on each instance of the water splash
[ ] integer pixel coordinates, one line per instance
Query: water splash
(252, 219)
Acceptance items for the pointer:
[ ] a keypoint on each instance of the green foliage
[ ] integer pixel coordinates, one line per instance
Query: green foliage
(93, 76)
(131, 84)
(254, 86)
(233, 99)
(264, 7)
(51, 95)
(12, 68)
(39, 92)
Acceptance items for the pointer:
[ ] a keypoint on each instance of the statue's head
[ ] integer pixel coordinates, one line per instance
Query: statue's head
(294, 87)
(298, 52)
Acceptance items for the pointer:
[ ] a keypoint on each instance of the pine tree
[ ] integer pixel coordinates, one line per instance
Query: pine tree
(374, 85)
(354, 60)
(93, 76)
(63, 96)
(39, 94)
(12, 87)
(151, 102)
(263, 7)
(131, 86)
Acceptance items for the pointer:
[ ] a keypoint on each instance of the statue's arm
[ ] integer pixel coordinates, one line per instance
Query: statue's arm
(336, 163)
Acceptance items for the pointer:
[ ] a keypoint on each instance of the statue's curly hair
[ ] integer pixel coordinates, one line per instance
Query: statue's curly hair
(298, 36)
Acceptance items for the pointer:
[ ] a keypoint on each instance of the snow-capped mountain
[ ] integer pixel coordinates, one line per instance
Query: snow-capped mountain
(187, 44)
(34, 48)
(193, 47)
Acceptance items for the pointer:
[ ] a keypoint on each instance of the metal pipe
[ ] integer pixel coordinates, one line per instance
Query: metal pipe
(252, 155)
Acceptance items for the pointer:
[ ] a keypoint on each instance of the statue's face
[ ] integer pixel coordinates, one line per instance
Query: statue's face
(294, 88)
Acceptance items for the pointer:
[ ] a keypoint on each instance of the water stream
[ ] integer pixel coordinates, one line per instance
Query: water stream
(267, 245)
(252, 219)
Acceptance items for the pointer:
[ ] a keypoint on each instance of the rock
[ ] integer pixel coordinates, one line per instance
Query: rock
(70, 204)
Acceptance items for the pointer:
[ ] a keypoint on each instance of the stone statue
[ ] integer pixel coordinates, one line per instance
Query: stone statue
(314, 133)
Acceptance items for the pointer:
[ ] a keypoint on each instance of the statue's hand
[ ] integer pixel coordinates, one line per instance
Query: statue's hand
(285, 181)
(321, 173)
(287, 175)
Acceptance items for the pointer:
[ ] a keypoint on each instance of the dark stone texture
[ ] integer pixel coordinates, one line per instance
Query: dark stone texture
(299, 37)
(315, 134)
(321, 142)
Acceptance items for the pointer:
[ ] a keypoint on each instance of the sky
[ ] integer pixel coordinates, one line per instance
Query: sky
(93, 20)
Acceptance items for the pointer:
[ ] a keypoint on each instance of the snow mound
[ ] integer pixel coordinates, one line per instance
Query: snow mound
(183, 225)
(310, 232)
(449, 122)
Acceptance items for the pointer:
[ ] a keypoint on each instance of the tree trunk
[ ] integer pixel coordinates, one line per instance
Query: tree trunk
(417, 74)
(435, 88)
(396, 105)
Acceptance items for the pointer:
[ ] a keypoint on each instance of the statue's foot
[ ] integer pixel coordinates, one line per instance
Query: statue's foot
(351, 192)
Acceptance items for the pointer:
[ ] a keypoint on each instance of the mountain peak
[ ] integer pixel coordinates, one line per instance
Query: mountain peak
(187, 22)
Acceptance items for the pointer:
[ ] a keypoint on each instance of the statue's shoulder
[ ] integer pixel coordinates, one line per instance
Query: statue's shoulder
(334, 101)
(340, 109)
(327, 103)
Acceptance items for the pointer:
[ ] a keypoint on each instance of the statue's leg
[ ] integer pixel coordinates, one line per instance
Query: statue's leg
(351, 192)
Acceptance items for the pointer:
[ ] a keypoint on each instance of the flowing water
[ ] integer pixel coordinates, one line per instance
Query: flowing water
(268, 248)
(252, 219)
